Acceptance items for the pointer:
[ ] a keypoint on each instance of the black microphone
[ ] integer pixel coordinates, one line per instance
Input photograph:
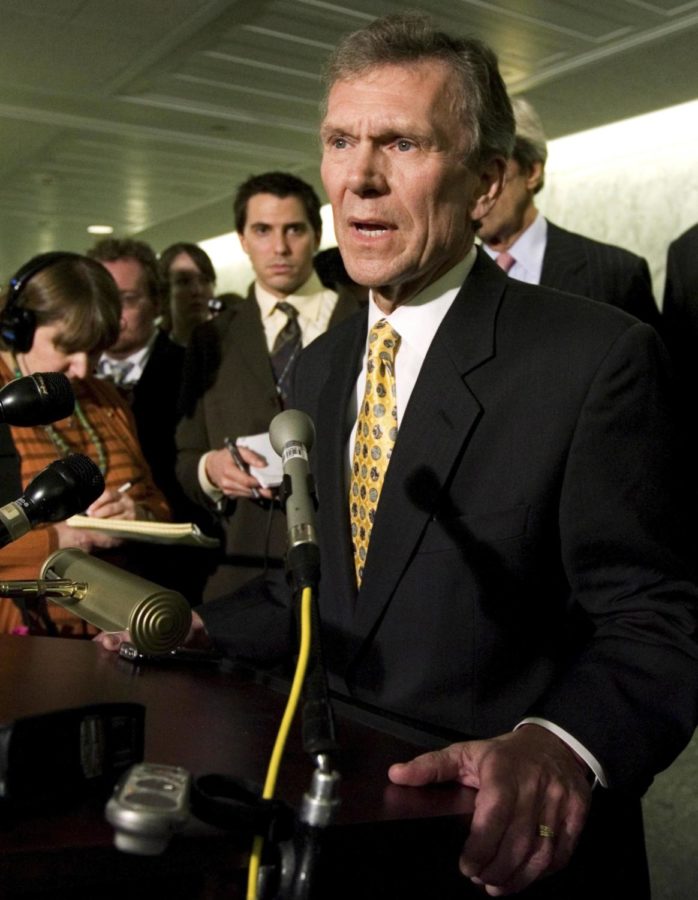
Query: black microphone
(65, 487)
(37, 399)
(292, 434)
(157, 618)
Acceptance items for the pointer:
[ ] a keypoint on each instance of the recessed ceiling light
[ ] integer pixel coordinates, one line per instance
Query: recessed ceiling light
(100, 229)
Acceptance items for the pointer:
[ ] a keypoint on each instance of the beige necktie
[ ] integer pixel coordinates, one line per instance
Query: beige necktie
(505, 260)
(376, 432)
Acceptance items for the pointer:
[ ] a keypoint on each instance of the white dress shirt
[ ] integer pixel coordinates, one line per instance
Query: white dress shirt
(417, 321)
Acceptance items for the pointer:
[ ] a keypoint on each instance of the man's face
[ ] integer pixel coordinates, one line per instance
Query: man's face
(280, 242)
(514, 210)
(394, 168)
(138, 308)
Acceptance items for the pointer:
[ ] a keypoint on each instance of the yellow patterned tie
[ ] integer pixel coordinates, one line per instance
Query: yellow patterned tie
(376, 431)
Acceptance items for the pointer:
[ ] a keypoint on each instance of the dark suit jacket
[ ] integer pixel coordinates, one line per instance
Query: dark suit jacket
(680, 309)
(579, 265)
(154, 403)
(532, 551)
(229, 391)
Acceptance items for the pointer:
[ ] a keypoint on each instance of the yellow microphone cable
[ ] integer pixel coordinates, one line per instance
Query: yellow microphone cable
(282, 735)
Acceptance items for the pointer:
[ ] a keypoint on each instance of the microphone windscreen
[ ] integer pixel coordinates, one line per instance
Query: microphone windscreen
(84, 477)
(38, 399)
(65, 487)
(60, 399)
(291, 425)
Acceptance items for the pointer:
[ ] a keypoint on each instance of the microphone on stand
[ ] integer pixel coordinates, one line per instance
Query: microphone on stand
(65, 487)
(38, 399)
(112, 599)
(292, 435)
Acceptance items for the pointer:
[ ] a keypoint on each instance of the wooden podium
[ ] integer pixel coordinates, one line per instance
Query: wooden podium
(213, 719)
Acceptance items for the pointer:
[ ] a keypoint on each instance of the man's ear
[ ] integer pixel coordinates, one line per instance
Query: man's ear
(318, 238)
(243, 242)
(534, 176)
(488, 187)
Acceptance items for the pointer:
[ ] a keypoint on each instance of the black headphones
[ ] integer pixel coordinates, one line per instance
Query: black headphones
(18, 324)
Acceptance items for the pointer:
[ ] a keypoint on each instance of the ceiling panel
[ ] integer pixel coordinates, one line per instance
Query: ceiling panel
(148, 117)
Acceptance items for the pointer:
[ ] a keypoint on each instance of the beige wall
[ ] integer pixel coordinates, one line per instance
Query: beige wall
(633, 183)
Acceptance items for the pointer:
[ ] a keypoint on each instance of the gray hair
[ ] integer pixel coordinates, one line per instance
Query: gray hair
(483, 103)
(530, 146)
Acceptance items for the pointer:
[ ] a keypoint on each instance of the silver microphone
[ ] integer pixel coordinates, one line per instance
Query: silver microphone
(158, 619)
(292, 434)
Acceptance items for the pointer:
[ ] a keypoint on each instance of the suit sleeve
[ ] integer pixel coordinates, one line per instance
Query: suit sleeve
(635, 293)
(193, 440)
(627, 530)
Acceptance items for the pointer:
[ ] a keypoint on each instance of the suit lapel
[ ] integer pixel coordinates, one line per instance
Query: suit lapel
(247, 347)
(333, 431)
(441, 414)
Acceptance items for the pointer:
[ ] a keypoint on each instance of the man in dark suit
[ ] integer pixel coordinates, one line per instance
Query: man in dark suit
(144, 363)
(680, 309)
(526, 589)
(146, 366)
(230, 388)
(539, 252)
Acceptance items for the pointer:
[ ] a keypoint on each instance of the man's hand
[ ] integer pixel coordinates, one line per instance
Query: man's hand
(524, 779)
(197, 636)
(227, 476)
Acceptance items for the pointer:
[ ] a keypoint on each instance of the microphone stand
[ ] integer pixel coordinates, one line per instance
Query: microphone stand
(321, 801)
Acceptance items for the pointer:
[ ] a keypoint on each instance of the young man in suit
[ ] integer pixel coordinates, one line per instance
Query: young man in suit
(519, 576)
(239, 367)
(534, 250)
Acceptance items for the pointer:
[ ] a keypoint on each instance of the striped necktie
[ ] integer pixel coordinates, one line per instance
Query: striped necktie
(286, 347)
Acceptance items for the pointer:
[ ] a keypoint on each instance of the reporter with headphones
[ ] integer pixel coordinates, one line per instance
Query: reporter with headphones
(60, 311)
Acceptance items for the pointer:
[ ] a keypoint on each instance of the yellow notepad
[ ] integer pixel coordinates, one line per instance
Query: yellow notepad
(151, 532)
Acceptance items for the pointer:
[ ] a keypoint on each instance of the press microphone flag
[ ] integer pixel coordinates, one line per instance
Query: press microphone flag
(38, 399)
(63, 488)
(112, 599)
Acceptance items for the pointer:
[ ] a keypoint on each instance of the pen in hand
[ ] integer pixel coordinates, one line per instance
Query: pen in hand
(125, 488)
(232, 448)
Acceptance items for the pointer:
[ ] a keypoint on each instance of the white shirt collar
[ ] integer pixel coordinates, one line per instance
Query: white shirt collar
(138, 360)
(418, 320)
(314, 302)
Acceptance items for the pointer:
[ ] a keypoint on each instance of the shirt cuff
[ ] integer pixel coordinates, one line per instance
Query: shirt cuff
(573, 744)
(213, 493)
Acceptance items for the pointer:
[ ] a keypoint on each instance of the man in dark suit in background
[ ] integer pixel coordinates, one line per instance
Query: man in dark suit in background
(680, 311)
(509, 570)
(239, 366)
(144, 363)
(534, 250)
(146, 366)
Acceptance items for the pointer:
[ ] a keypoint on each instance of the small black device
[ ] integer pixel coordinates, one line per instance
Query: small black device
(129, 651)
(17, 323)
(149, 804)
(59, 756)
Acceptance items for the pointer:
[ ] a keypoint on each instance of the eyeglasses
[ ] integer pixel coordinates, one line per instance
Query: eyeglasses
(188, 280)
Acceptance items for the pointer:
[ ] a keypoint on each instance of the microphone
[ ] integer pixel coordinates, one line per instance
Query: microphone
(112, 599)
(292, 434)
(37, 399)
(63, 488)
